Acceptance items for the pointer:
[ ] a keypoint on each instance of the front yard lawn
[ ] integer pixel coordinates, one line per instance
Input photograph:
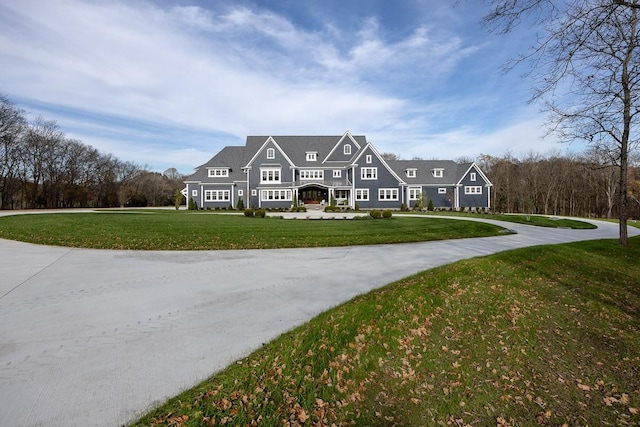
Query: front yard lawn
(170, 230)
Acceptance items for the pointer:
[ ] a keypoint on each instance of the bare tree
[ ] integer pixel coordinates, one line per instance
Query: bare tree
(12, 131)
(587, 75)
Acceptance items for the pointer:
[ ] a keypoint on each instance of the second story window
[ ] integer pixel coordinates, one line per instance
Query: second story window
(347, 149)
(271, 153)
(369, 173)
(438, 173)
(312, 156)
(218, 173)
(270, 175)
(369, 158)
(312, 174)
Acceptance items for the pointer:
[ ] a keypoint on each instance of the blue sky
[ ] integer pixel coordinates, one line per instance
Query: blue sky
(169, 83)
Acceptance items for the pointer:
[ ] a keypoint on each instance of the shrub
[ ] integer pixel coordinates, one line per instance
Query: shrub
(192, 206)
(375, 214)
(248, 213)
(240, 204)
(331, 208)
(386, 214)
(404, 208)
(260, 213)
(357, 206)
(430, 206)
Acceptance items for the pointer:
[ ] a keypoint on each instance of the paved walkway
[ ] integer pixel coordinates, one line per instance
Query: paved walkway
(95, 337)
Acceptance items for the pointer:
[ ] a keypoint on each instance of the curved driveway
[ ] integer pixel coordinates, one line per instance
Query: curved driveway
(95, 337)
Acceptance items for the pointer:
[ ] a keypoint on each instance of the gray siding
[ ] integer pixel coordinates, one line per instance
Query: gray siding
(385, 179)
(478, 200)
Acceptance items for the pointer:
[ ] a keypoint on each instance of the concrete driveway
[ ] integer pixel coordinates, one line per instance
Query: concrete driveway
(95, 337)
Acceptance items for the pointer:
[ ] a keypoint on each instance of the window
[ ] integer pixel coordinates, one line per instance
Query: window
(312, 156)
(342, 194)
(442, 191)
(414, 193)
(347, 149)
(369, 173)
(194, 192)
(271, 153)
(217, 173)
(254, 192)
(216, 195)
(437, 172)
(473, 189)
(269, 195)
(270, 175)
(362, 194)
(312, 174)
(472, 176)
(388, 194)
(240, 193)
(369, 158)
(411, 173)
(337, 173)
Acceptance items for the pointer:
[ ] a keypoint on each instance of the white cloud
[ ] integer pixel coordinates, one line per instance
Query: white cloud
(227, 70)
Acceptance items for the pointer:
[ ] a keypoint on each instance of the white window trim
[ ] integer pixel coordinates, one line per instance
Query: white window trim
(271, 153)
(442, 191)
(337, 173)
(276, 176)
(254, 192)
(240, 193)
(411, 173)
(387, 194)
(347, 149)
(372, 171)
(311, 174)
(438, 173)
(362, 194)
(414, 193)
(312, 156)
(217, 195)
(473, 189)
(369, 159)
(194, 193)
(472, 176)
(218, 173)
(276, 195)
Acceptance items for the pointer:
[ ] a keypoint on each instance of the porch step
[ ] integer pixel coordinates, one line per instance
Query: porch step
(314, 207)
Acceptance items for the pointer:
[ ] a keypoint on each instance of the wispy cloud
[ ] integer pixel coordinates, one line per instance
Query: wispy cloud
(188, 78)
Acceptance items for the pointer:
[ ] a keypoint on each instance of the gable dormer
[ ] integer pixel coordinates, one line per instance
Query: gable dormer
(344, 150)
(269, 152)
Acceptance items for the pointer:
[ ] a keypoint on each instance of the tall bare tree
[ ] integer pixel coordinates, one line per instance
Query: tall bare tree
(586, 69)
(12, 131)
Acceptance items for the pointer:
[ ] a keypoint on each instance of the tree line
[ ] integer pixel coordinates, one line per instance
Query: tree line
(40, 167)
(584, 184)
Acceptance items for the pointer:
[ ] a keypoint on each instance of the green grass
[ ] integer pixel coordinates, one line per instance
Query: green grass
(538, 336)
(167, 230)
(536, 220)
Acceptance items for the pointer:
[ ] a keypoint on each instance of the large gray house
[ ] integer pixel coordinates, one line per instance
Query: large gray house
(275, 171)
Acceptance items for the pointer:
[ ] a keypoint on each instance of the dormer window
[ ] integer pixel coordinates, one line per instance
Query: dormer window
(438, 172)
(347, 149)
(271, 153)
(218, 173)
(411, 173)
(312, 156)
